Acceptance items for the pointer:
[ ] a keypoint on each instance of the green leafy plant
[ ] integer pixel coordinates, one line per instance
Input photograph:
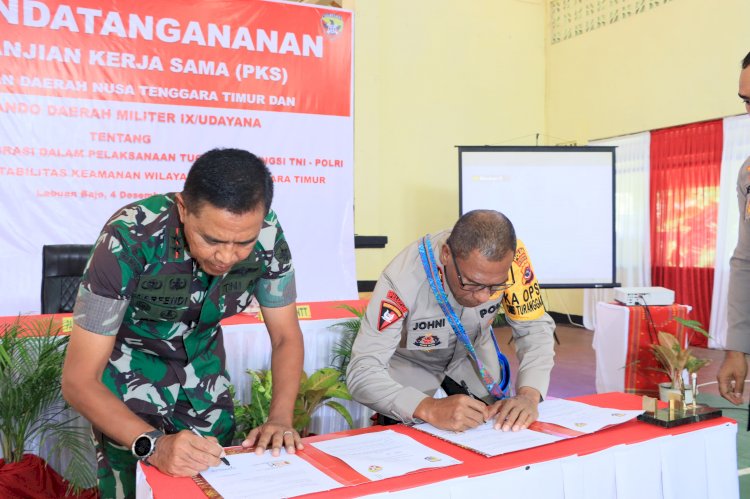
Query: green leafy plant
(254, 414)
(317, 390)
(314, 391)
(31, 403)
(342, 350)
(674, 357)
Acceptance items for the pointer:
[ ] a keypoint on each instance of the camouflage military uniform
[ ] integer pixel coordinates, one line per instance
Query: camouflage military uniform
(168, 362)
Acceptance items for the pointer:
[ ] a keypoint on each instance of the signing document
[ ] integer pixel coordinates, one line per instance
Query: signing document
(488, 441)
(582, 417)
(265, 476)
(576, 416)
(384, 454)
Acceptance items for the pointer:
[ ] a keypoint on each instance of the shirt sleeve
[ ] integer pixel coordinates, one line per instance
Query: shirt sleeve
(368, 379)
(738, 314)
(277, 287)
(533, 328)
(107, 284)
(535, 349)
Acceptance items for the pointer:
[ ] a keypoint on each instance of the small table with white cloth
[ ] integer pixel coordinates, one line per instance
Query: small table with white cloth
(622, 340)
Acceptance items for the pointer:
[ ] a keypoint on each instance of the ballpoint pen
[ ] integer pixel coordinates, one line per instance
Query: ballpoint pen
(466, 389)
(192, 428)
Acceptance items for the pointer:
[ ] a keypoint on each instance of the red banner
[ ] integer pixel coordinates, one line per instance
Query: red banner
(250, 55)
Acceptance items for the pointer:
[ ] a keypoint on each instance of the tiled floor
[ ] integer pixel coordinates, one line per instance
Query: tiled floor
(574, 374)
(575, 364)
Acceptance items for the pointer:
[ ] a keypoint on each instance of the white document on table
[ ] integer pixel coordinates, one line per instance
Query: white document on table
(582, 417)
(265, 476)
(486, 440)
(384, 454)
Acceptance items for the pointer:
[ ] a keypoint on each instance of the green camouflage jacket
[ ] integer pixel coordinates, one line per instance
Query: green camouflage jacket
(142, 285)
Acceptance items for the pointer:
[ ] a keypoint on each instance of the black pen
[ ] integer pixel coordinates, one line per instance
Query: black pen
(223, 459)
(468, 392)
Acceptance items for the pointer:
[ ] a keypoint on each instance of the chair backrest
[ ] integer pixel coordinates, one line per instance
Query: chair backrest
(62, 268)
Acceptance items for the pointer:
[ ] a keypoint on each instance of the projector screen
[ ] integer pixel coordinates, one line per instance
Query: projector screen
(561, 202)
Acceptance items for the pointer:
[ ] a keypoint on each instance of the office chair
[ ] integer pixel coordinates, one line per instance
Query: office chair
(62, 269)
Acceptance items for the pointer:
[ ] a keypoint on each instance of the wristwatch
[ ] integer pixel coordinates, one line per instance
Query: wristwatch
(145, 444)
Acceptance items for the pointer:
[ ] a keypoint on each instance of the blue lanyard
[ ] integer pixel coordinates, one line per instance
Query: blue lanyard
(498, 389)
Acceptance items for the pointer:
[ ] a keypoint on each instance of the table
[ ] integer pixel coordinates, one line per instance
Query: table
(622, 341)
(248, 346)
(632, 460)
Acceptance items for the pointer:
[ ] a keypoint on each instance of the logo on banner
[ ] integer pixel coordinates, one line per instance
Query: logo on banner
(389, 313)
(333, 24)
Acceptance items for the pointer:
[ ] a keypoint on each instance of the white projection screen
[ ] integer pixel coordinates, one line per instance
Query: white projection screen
(561, 202)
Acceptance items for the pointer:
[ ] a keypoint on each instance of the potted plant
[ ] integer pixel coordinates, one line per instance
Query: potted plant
(314, 391)
(676, 359)
(342, 350)
(255, 413)
(32, 411)
(318, 390)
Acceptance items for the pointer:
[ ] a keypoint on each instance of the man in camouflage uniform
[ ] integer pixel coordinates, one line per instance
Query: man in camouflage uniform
(146, 355)
(406, 348)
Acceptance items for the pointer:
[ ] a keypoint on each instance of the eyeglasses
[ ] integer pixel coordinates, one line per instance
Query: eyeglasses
(476, 287)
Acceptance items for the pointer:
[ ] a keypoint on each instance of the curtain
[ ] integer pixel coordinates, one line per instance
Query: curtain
(684, 195)
(736, 149)
(632, 246)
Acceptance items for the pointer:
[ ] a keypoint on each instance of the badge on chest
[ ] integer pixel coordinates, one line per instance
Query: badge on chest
(428, 334)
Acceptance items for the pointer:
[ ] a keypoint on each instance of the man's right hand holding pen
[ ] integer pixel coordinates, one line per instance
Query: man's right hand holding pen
(462, 410)
(186, 453)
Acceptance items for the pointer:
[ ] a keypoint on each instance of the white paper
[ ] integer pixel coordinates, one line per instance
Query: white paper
(489, 441)
(384, 454)
(265, 476)
(582, 417)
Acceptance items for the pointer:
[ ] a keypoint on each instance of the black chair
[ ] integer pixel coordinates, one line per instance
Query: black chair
(62, 268)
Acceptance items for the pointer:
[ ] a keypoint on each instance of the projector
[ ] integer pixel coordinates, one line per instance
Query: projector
(644, 296)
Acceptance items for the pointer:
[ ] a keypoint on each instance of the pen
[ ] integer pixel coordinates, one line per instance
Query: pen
(468, 392)
(192, 428)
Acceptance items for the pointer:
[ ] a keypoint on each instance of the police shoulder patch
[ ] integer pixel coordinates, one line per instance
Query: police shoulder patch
(389, 314)
(397, 301)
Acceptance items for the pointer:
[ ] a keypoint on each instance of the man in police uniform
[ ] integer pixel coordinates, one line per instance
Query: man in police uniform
(146, 358)
(733, 370)
(406, 347)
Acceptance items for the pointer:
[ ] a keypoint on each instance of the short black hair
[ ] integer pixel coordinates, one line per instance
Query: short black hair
(488, 231)
(231, 179)
(746, 61)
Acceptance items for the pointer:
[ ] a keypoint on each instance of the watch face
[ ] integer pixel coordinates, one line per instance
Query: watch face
(142, 446)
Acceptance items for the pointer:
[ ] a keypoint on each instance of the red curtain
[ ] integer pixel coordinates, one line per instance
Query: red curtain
(685, 175)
